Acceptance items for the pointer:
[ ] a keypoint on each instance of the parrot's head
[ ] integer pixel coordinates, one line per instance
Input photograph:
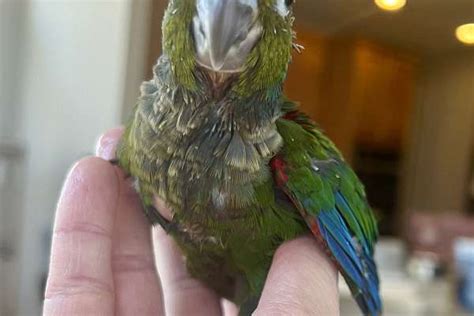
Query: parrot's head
(250, 40)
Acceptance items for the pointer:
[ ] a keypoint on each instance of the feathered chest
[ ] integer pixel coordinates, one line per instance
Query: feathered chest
(205, 152)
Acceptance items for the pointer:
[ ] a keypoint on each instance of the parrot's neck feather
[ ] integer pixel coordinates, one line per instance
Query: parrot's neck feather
(247, 113)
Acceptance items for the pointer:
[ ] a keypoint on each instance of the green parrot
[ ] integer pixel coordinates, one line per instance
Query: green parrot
(240, 167)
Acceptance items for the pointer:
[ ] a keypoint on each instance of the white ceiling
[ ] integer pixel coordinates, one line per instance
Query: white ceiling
(425, 27)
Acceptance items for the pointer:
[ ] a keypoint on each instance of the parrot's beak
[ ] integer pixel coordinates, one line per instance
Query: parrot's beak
(225, 31)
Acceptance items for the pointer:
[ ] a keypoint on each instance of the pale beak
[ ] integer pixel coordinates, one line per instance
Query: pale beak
(225, 31)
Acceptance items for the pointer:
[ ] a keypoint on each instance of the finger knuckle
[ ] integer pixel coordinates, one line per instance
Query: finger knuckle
(75, 285)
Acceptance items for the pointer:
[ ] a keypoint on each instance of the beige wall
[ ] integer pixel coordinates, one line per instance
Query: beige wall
(68, 71)
(75, 71)
(140, 35)
(439, 158)
(11, 152)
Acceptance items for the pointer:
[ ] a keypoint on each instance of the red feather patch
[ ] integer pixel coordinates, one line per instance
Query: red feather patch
(278, 165)
(291, 116)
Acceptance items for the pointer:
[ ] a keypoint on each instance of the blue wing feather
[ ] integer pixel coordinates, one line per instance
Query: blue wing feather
(346, 262)
(355, 263)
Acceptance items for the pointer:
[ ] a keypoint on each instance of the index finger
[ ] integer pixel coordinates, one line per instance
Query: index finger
(80, 279)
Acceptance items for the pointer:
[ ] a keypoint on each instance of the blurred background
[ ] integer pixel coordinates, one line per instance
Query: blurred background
(390, 81)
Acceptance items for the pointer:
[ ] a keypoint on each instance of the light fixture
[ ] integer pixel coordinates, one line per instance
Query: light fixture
(465, 33)
(390, 5)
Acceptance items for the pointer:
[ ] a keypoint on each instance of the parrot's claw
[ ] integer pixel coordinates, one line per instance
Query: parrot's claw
(155, 217)
(115, 162)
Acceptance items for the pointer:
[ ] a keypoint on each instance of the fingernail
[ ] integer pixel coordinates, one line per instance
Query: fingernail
(106, 147)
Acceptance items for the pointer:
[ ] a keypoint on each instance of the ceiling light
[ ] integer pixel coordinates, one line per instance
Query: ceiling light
(391, 5)
(465, 33)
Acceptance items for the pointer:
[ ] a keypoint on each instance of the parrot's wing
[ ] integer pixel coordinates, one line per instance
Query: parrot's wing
(329, 196)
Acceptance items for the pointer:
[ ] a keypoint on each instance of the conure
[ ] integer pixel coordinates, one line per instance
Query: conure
(240, 167)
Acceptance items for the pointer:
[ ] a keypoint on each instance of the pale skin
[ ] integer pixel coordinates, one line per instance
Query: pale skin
(106, 260)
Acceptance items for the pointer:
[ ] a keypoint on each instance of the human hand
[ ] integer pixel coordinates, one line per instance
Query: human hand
(104, 253)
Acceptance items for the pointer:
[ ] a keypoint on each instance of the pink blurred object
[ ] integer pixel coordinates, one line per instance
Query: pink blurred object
(434, 234)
